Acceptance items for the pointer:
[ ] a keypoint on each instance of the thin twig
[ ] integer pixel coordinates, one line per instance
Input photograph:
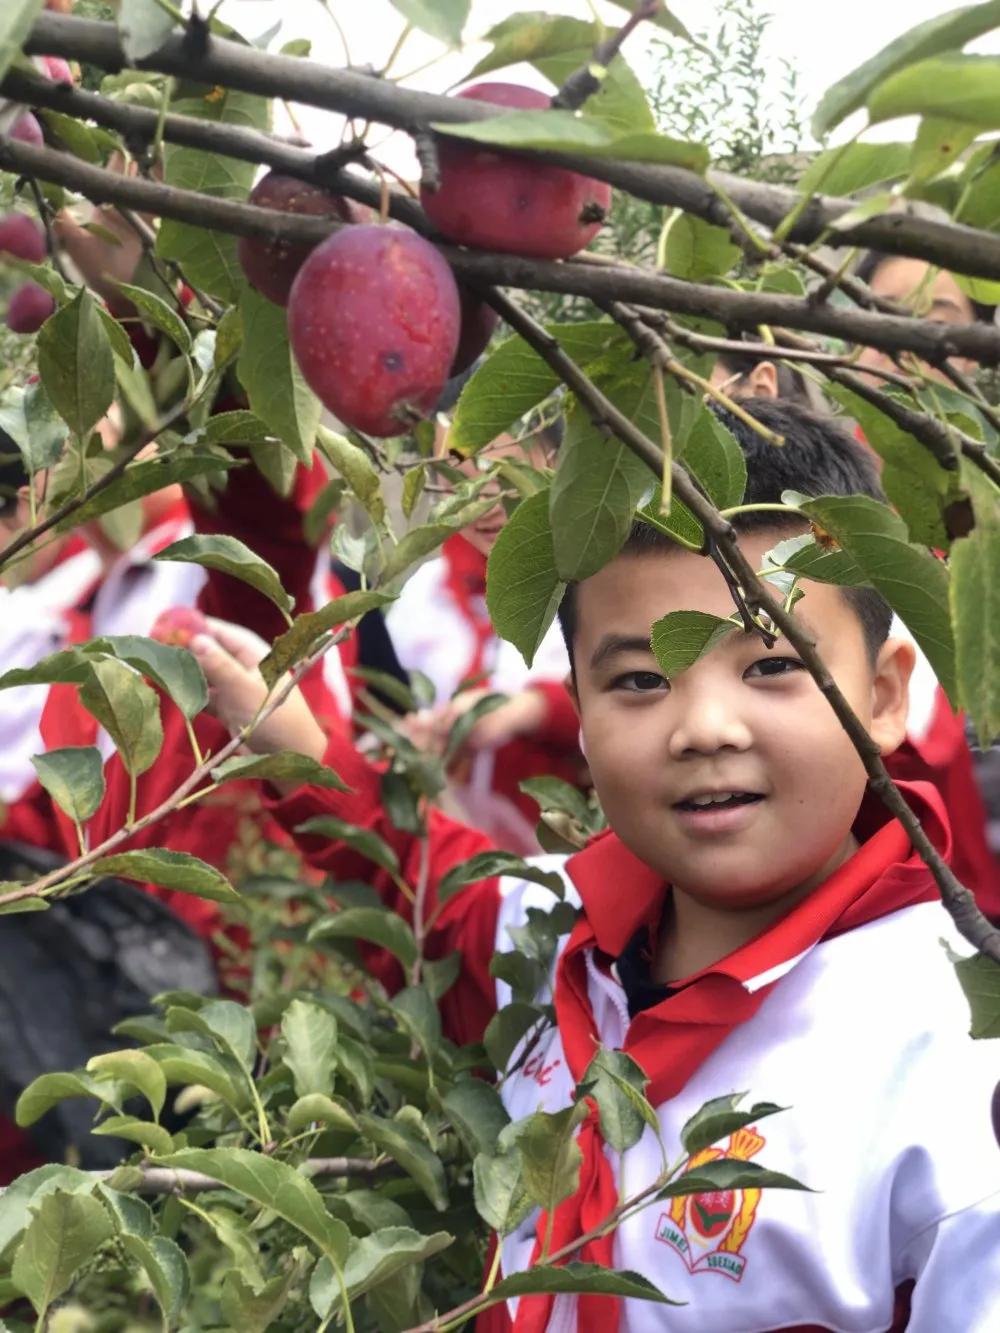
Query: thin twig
(178, 1180)
(589, 77)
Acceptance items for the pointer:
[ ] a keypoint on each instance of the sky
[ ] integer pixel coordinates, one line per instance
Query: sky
(823, 41)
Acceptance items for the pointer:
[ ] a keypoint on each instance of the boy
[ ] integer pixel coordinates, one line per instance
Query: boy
(752, 920)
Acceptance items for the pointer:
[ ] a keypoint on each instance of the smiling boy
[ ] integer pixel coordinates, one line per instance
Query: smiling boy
(752, 920)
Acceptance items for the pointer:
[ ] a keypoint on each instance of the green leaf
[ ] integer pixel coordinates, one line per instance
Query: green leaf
(405, 1147)
(148, 1135)
(238, 427)
(128, 710)
(555, 794)
(76, 364)
(619, 102)
(174, 670)
(502, 1200)
(64, 1234)
(74, 778)
(31, 420)
(484, 865)
(170, 870)
(364, 841)
(513, 379)
(254, 1310)
(951, 87)
(351, 462)
(711, 452)
(271, 377)
(853, 167)
(154, 310)
(308, 628)
(227, 1025)
(477, 1113)
(975, 608)
(419, 1018)
(143, 26)
(912, 581)
(597, 486)
(273, 1185)
(376, 925)
(315, 1108)
(16, 19)
(944, 32)
(136, 1069)
(230, 556)
(523, 589)
(422, 540)
(17, 1198)
(139, 479)
(578, 1279)
(281, 766)
(680, 638)
(219, 1074)
(618, 1086)
(374, 1260)
(695, 250)
(727, 1173)
(551, 1155)
(979, 978)
(719, 1117)
(937, 145)
(166, 1267)
(310, 1035)
(208, 257)
(565, 132)
(47, 1090)
(663, 18)
(506, 1029)
(443, 19)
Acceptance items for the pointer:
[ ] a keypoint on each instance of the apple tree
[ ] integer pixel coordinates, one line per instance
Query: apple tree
(314, 1152)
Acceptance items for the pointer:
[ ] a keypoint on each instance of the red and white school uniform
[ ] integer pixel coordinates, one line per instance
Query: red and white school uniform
(936, 750)
(440, 626)
(847, 1012)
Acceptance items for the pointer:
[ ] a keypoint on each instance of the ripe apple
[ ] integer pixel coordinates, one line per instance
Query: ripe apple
(478, 322)
(27, 129)
(22, 237)
(373, 320)
(29, 308)
(60, 6)
(57, 69)
(503, 202)
(178, 625)
(271, 266)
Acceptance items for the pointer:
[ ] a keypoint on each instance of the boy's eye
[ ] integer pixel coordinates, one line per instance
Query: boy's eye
(640, 682)
(774, 666)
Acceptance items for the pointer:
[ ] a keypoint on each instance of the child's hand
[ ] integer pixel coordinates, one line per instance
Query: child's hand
(229, 657)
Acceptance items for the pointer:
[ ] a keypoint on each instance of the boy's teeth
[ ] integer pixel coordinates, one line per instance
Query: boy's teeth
(713, 798)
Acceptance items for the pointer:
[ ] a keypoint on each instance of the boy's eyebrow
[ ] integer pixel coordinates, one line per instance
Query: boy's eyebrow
(614, 645)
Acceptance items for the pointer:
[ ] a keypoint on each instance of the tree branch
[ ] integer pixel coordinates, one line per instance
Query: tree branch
(950, 245)
(178, 1180)
(736, 309)
(956, 897)
(590, 76)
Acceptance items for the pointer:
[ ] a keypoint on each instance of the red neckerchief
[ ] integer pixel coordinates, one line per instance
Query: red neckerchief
(465, 579)
(670, 1041)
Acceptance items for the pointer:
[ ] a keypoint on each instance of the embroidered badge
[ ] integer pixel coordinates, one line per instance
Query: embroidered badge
(708, 1231)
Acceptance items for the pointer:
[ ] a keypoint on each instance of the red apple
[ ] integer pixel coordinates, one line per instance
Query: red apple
(57, 69)
(22, 237)
(29, 308)
(478, 322)
(27, 129)
(60, 6)
(373, 319)
(503, 202)
(178, 625)
(271, 266)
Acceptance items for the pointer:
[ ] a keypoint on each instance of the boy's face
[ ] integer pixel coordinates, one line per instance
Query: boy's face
(744, 721)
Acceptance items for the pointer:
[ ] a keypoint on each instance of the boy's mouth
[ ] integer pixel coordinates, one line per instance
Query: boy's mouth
(718, 800)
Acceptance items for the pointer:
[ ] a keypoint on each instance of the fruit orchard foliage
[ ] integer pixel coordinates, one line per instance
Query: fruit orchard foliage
(350, 1163)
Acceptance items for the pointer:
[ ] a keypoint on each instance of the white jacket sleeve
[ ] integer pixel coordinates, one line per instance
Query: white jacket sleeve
(956, 1265)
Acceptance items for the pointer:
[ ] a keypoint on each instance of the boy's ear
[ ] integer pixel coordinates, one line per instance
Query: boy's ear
(891, 693)
(763, 380)
(570, 683)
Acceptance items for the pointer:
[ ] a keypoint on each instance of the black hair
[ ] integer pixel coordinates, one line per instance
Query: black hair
(792, 385)
(818, 457)
(13, 474)
(872, 260)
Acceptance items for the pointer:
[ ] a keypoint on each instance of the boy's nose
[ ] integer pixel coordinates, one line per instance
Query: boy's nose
(707, 723)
